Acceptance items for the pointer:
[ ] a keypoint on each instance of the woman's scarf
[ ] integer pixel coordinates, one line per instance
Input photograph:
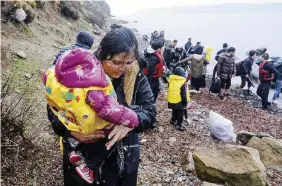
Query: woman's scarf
(129, 83)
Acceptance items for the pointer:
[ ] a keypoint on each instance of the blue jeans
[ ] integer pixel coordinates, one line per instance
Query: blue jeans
(278, 85)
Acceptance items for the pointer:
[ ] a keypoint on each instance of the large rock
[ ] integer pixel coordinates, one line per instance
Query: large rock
(270, 151)
(21, 54)
(187, 162)
(235, 165)
(209, 184)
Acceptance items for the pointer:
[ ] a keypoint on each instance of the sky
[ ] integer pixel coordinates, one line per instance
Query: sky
(127, 7)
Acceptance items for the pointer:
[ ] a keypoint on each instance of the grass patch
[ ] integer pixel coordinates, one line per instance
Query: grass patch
(21, 75)
(26, 30)
(61, 42)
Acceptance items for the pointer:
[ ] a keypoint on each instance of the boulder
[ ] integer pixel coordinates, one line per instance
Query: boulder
(20, 15)
(209, 184)
(270, 151)
(235, 165)
(30, 16)
(21, 54)
(244, 137)
(187, 162)
(70, 9)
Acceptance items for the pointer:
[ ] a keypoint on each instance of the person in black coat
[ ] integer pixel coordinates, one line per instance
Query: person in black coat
(198, 49)
(245, 71)
(83, 40)
(188, 45)
(177, 55)
(154, 66)
(221, 51)
(119, 49)
(167, 52)
(267, 74)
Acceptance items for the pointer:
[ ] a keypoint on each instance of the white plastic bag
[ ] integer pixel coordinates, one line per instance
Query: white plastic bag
(220, 127)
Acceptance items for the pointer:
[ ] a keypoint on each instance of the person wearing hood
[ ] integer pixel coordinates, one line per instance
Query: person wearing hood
(84, 40)
(188, 45)
(225, 70)
(155, 64)
(177, 55)
(177, 97)
(198, 69)
(267, 74)
(245, 71)
(167, 52)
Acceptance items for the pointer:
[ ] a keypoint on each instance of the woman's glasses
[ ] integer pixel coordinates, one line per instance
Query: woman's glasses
(121, 64)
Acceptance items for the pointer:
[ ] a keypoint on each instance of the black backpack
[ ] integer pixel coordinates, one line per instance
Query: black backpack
(215, 86)
(238, 67)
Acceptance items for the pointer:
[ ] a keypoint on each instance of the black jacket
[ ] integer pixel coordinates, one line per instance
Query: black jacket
(198, 49)
(188, 45)
(152, 61)
(271, 68)
(167, 53)
(220, 52)
(246, 66)
(142, 104)
(177, 56)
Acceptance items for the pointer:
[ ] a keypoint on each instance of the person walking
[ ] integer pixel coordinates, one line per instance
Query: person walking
(225, 70)
(267, 74)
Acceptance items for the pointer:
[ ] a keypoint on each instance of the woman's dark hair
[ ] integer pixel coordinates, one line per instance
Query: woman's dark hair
(231, 49)
(157, 44)
(118, 41)
(225, 45)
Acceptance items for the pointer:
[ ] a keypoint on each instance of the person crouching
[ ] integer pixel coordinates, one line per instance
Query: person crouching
(177, 99)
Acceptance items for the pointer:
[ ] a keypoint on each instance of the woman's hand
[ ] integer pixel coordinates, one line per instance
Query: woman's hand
(83, 138)
(117, 134)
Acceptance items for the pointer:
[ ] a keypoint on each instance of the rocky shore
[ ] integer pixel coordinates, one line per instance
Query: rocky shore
(165, 152)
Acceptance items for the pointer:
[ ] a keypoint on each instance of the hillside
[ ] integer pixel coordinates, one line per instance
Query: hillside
(30, 153)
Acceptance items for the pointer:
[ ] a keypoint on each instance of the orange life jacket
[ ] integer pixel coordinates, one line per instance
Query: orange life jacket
(159, 67)
(265, 75)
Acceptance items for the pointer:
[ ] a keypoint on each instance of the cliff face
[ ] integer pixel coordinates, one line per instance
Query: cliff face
(95, 12)
(32, 33)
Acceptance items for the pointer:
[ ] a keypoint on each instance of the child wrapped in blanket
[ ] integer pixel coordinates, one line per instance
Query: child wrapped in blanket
(82, 96)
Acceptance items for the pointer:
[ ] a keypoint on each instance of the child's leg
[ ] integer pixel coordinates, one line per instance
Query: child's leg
(173, 117)
(185, 113)
(179, 125)
(179, 115)
(76, 158)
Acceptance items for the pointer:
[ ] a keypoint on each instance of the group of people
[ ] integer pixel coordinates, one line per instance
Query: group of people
(226, 68)
(176, 65)
(99, 102)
